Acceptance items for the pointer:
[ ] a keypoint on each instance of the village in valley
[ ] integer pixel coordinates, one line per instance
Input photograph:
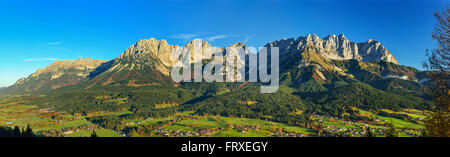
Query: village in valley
(47, 122)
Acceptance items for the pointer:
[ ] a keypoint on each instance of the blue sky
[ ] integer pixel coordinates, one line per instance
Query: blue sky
(34, 34)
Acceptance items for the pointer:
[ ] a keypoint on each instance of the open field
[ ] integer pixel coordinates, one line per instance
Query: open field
(14, 111)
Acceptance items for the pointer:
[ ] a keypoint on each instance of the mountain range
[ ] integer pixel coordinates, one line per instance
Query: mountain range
(56, 75)
(149, 62)
(330, 77)
(330, 71)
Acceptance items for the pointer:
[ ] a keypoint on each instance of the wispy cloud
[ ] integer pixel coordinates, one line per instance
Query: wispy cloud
(216, 37)
(184, 36)
(203, 35)
(247, 38)
(40, 59)
(54, 43)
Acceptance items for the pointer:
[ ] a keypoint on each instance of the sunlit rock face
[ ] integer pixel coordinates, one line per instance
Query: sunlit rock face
(335, 47)
(152, 58)
(58, 74)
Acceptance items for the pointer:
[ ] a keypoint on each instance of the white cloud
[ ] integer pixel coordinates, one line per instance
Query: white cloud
(54, 43)
(246, 39)
(40, 59)
(187, 36)
(216, 37)
(184, 36)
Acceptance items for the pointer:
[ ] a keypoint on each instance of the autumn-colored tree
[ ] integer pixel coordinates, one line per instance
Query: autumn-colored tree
(94, 134)
(28, 132)
(369, 132)
(437, 124)
(17, 132)
(392, 131)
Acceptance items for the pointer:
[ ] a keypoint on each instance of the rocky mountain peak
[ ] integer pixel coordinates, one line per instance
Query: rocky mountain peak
(336, 48)
(58, 74)
(158, 49)
(238, 44)
(20, 81)
(60, 66)
(197, 43)
(373, 49)
(158, 53)
(162, 51)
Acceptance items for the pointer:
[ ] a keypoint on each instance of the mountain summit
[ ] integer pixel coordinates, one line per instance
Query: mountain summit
(58, 74)
(149, 62)
(335, 47)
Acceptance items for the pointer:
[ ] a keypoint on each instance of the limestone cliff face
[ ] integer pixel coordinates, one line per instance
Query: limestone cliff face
(331, 47)
(147, 60)
(335, 47)
(373, 50)
(150, 61)
(58, 74)
(158, 54)
(79, 67)
(160, 50)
